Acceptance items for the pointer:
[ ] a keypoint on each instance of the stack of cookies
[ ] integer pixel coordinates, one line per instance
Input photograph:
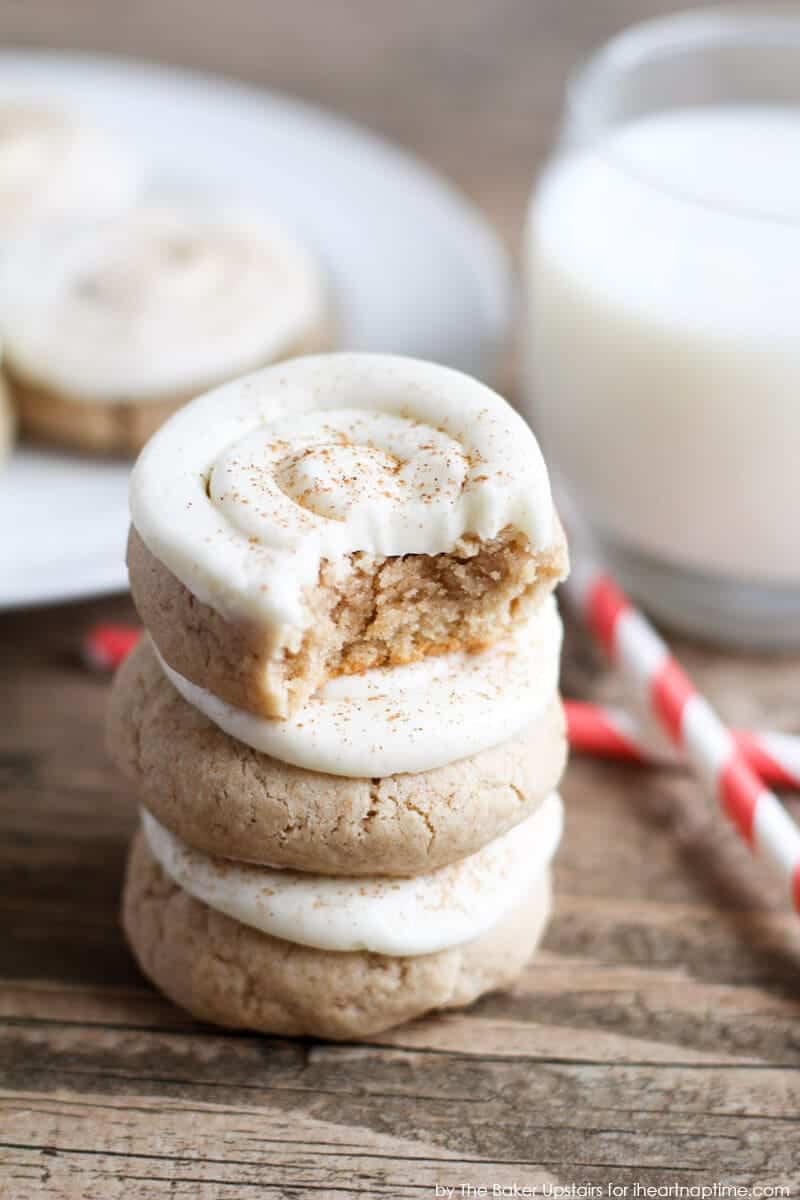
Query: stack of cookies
(344, 725)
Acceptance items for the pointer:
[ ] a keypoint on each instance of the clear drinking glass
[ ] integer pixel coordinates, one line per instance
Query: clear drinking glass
(663, 326)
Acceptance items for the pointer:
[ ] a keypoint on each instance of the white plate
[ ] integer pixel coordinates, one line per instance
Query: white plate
(414, 268)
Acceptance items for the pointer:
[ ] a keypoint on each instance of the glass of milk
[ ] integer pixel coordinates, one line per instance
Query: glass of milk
(663, 327)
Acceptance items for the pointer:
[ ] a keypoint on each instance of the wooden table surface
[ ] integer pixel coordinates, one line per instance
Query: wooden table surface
(656, 1039)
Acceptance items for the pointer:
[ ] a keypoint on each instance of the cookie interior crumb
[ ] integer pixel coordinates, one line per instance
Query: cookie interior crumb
(365, 612)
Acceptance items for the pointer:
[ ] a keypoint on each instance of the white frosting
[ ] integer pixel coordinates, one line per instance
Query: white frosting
(398, 917)
(244, 491)
(53, 167)
(406, 719)
(157, 302)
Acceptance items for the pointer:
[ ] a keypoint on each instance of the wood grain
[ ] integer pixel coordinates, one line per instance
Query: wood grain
(654, 1041)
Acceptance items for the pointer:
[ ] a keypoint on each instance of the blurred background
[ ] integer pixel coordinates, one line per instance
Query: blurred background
(473, 86)
(475, 90)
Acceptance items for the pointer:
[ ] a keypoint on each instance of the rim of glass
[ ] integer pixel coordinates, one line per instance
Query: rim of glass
(763, 27)
(723, 24)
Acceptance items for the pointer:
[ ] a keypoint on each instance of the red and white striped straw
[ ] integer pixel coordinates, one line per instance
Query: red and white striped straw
(615, 733)
(106, 645)
(689, 720)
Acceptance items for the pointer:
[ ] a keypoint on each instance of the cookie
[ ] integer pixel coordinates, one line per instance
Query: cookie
(119, 429)
(223, 971)
(383, 914)
(406, 719)
(8, 422)
(334, 515)
(227, 799)
(116, 324)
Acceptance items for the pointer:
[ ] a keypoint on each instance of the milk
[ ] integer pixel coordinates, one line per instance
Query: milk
(664, 267)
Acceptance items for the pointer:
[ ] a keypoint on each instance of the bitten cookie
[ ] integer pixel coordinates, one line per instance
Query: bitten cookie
(225, 798)
(116, 324)
(221, 970)
(333, 515)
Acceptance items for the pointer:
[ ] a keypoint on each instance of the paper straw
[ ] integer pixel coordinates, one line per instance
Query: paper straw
(104, 646)
(615, 733)
(689, 721)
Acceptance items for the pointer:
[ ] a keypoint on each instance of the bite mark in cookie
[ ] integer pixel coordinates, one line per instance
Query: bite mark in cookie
(344, 512)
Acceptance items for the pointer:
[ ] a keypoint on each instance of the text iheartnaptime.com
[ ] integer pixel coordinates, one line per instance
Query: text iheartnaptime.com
(613, 1191)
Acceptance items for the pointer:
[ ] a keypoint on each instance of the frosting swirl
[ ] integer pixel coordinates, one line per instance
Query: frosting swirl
(355, 480)
(157, 302)
(52, 166)
(246, 490)
(398, 917)
(406, 719)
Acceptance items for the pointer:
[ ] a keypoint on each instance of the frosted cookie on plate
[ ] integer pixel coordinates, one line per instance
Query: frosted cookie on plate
(111, 326)
(54, 166)
(290, 953)
(334, 515)
(435, 769)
